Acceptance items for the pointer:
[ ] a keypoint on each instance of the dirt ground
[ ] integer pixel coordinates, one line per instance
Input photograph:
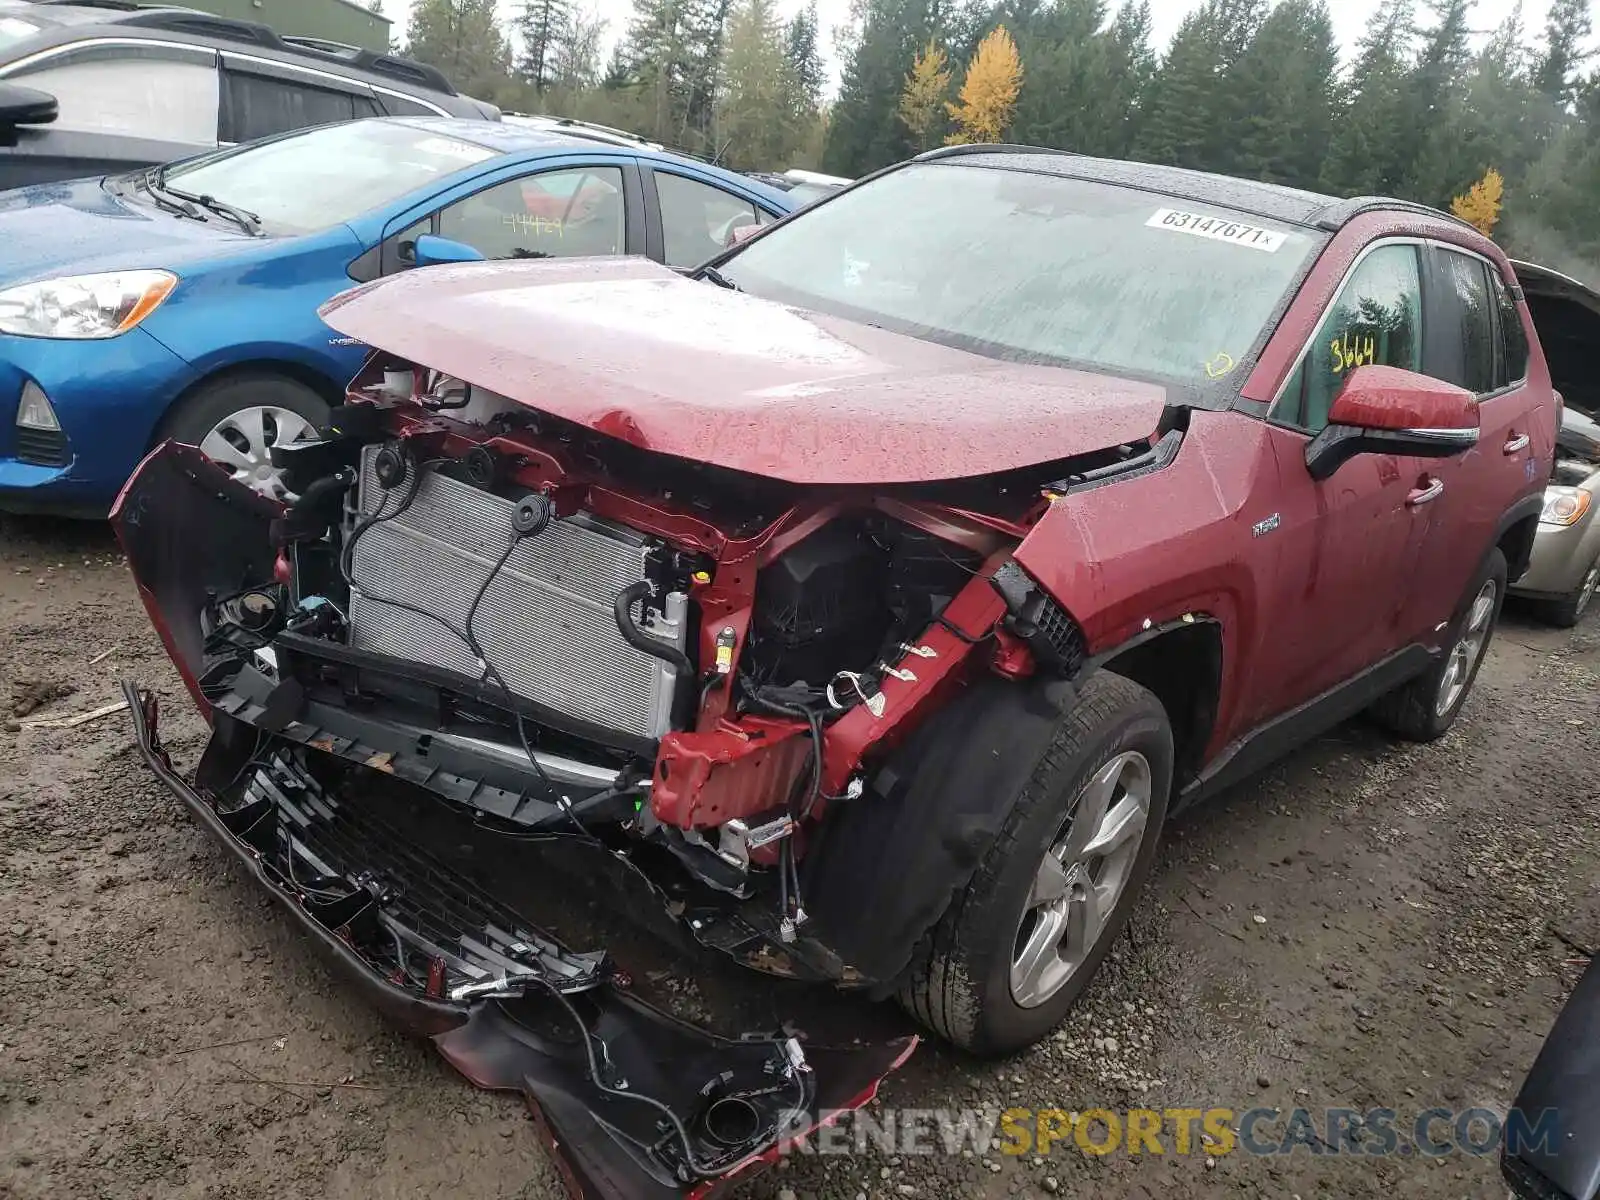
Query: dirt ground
(1368, 925)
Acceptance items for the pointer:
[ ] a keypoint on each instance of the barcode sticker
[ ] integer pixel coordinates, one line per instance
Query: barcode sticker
(1218, 229)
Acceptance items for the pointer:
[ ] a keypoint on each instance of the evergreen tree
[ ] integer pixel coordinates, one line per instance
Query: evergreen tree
(804, 56)
(1130, 65)
(1372, 145)
(1189, 114)
(669, 58)
(864, 128)
(464, 40)
(1566, 30)
(1502, 121)
(756, 122)
(1062, 100)
(541, 26)
(1436, 88)
(1285, 87)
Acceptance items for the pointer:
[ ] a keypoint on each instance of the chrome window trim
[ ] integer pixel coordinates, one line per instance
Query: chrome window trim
(53, 52)
(1344, 282)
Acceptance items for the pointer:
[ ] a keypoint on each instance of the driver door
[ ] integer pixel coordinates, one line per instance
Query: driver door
(1347, 546)
(573, 210)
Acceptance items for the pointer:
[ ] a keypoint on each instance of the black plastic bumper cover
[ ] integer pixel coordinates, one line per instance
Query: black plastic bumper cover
(505, 1044)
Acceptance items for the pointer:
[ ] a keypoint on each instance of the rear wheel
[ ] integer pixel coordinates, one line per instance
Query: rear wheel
(1021, 941)
(237, 421)
(1425, 708)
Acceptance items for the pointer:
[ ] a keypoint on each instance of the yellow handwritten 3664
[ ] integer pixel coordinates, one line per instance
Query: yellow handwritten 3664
(1351, 352)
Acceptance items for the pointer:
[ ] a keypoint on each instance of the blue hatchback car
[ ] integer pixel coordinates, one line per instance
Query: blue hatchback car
(182, 302)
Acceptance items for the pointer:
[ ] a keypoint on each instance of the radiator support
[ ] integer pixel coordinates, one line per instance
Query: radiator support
(545, 622)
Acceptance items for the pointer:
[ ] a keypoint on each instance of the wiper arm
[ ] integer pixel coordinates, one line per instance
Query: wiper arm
(718, 278)
(151, 181)
(247, 221)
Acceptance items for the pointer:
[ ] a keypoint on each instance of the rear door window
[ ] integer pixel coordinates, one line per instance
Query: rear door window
(260, 104)
(401, 106)
(1513, 364)
(164, 93)
(1377, 318)
(1462, 334)
(698, 220)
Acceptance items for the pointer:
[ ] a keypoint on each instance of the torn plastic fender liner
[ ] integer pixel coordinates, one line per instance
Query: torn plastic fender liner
(717, 1108)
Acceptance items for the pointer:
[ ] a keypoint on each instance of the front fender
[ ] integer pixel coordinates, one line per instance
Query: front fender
(1130, 556)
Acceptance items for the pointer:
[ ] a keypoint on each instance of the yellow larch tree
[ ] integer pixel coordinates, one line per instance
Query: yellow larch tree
(1480, 207)
(989, 92)
(922, 102)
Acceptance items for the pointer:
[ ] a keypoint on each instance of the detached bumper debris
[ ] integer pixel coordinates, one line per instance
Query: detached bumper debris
(633, 1103)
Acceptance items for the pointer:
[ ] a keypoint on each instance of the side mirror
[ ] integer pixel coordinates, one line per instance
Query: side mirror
(433, 250)
(1386, 410)
(25, 106)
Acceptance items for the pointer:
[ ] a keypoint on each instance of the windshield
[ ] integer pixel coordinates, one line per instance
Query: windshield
(325, 176)
(1032, 267)
(14, 30)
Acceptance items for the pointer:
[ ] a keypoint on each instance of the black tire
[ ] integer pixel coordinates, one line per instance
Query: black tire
(958, 983)
(198, 413)
(1566, 611)
(1412, 711)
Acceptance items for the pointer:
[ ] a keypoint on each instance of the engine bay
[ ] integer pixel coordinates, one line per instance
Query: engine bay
(567, 636)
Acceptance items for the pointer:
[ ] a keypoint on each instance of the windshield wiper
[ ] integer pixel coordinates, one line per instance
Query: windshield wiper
(718, 278)
(156, 180)
(151, 182)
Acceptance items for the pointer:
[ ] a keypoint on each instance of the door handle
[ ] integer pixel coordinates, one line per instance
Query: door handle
(1430, 491)
(1518, 442)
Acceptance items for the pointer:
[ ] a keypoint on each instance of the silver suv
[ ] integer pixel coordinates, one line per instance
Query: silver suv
(222, 81)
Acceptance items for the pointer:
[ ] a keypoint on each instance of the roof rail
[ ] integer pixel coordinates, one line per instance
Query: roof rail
(968, 148)
(325, 45)
(188, 20)
(1340, 213)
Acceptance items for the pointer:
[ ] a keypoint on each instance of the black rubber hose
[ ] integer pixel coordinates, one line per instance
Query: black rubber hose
(641, 641)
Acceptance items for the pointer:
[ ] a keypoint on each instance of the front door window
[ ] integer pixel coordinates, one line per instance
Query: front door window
(1376, 319)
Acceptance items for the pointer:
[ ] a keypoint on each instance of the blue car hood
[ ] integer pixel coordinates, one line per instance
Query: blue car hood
(58, 229)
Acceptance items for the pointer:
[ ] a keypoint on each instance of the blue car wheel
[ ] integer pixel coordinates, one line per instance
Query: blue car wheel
(237, 422)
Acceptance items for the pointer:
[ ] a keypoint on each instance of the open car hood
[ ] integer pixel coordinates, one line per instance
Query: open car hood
(682, 367)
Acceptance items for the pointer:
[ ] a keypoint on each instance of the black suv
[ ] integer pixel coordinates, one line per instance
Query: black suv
(135, 86)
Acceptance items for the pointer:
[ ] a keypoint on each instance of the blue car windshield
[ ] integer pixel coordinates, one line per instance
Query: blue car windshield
(328, 175)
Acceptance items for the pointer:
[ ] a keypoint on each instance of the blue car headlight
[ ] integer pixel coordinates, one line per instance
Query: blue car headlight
(84, 306)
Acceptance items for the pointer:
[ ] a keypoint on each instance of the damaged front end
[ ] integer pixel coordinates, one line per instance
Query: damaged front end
(633, 1102)
(483, 626)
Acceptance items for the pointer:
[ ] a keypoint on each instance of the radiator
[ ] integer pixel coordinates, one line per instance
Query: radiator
(546, 623)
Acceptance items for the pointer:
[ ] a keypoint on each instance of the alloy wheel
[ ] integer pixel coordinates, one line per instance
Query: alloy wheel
(1586, 593)
(241, 444)
(1464, 655)
(1080, 879)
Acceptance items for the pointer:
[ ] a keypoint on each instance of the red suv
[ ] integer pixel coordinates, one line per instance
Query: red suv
(862, 604)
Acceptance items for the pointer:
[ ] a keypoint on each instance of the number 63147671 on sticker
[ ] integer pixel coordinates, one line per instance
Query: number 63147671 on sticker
(1218, 229)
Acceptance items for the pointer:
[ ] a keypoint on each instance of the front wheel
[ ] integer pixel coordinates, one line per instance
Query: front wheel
(1566, 611)
(237, 421)
(1020, 942)
(1424, 709)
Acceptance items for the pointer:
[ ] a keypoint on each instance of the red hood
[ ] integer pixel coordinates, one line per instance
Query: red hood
(634, 350)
